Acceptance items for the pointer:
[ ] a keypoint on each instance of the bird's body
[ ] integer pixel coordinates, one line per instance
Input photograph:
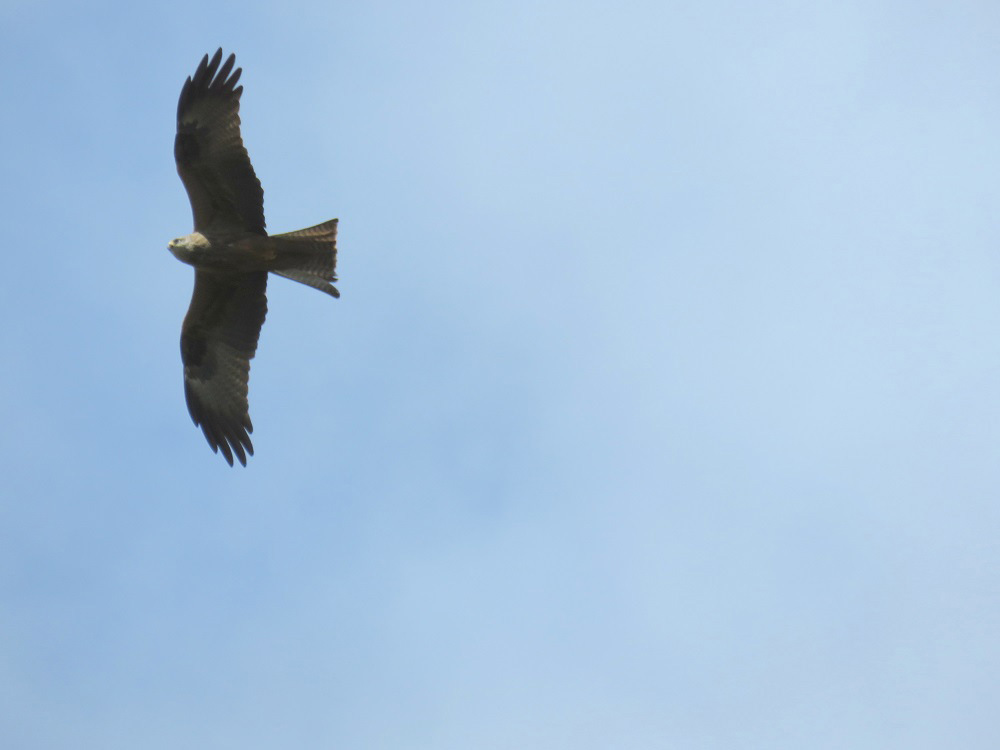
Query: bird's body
(235, 252)
(232, 255)
(225, 252)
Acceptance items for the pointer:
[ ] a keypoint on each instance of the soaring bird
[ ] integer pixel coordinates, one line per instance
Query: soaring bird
(232, 255)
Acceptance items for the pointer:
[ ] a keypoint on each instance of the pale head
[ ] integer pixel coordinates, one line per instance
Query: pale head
(184, 248)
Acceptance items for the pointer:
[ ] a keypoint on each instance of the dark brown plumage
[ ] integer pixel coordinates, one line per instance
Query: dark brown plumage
(232, 255)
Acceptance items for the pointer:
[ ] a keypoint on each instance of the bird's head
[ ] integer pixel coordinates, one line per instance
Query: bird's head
(185, 247)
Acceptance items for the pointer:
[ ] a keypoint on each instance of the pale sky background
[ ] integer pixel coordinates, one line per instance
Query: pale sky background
(661, 408)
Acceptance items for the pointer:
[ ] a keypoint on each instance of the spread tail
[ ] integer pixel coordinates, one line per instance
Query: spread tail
(309, 256)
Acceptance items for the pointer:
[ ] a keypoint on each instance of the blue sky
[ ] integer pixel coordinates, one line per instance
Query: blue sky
(661, 408)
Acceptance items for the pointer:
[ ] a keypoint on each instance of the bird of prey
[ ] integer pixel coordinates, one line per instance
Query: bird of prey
(232, 255)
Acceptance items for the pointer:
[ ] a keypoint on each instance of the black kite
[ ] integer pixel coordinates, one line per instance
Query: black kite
(232, 254)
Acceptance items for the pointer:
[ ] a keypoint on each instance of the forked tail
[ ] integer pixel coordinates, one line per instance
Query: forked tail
(309, 256)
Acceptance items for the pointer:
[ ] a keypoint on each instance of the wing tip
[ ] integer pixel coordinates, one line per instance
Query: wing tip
(208, 76)
(233, 443)
(230, 438)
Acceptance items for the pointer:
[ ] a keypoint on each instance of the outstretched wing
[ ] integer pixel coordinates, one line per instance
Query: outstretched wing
(218, 340)
(224, 191)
